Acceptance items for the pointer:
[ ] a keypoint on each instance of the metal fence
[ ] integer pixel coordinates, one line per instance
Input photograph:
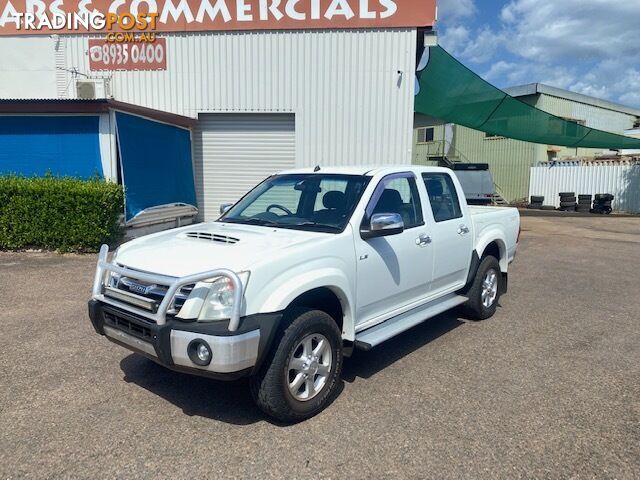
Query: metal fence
(623, 181)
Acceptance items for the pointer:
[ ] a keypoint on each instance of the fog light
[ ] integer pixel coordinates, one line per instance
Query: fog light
(199, 352)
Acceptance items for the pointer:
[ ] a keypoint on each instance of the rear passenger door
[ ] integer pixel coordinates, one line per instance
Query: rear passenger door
(450, 231)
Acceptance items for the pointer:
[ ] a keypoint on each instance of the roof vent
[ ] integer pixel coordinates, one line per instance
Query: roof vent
(213, 237)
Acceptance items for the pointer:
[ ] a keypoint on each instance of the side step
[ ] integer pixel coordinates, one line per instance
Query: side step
(373, 336)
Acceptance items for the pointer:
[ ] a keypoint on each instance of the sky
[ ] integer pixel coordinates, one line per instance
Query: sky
(587, 46)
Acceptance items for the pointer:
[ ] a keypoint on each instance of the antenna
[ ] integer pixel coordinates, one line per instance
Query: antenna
(317, 169)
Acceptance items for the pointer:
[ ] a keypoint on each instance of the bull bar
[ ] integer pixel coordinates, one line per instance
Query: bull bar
(174, 284)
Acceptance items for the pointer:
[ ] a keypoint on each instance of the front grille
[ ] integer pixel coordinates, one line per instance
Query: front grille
(121, 323)
(153, 292)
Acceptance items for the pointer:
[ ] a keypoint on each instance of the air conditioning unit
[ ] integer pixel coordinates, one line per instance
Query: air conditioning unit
(91, 89)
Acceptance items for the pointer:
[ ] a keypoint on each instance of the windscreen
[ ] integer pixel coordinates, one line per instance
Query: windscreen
(313, 202)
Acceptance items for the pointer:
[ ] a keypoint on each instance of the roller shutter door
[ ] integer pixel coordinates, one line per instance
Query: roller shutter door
(234, 152)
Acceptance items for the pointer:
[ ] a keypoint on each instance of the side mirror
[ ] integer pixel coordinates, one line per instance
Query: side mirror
(225, 207)
(383, 225)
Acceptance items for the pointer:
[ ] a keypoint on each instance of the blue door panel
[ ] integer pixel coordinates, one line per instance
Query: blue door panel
(156, 164)
(60, 145)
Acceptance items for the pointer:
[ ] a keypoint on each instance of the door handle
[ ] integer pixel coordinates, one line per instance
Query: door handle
(423, 240)
(463, 230)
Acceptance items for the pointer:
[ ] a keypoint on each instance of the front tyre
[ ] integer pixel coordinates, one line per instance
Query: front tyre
(302, 373)
(485, 290)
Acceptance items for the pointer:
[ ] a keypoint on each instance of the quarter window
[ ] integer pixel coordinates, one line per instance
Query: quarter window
(442, 196)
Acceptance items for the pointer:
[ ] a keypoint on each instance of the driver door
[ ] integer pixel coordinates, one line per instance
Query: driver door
(395, 271)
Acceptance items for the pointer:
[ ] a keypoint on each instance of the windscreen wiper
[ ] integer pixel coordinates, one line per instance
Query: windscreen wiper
(254, 221)
(330, 228)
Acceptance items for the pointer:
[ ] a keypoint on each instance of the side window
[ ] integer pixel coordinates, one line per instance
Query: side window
(442, 196)
(398, 194)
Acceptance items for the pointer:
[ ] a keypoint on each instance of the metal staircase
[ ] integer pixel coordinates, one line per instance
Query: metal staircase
(446, 154)
(499, 201)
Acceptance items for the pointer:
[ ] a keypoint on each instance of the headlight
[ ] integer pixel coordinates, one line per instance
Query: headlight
(219, 301)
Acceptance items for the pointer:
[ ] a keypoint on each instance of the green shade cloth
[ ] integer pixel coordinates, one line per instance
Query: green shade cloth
(451, 92)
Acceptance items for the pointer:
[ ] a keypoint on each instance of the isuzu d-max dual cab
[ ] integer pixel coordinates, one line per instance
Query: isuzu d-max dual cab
(307, 266)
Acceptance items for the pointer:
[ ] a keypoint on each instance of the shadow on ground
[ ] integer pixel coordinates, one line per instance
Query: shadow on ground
(228, 402)
(367, 364)
(231, 402)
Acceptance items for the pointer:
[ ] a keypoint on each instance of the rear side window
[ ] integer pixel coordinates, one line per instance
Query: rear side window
(442, 196)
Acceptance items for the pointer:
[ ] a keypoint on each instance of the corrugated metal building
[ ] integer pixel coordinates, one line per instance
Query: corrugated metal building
(510, 161)
(263, 99)
(619, 177)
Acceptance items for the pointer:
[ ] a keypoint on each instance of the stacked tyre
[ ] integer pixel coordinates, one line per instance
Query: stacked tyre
(536, 202)
(602, 204)
(568, 201)
(584, 203)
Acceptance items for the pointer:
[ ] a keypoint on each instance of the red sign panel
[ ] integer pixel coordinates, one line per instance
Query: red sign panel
(31, 17)
(104, 55)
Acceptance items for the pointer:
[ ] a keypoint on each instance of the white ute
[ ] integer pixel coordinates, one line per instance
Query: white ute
(306, 267)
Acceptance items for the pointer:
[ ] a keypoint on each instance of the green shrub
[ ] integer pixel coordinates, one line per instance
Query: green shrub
(65, 214)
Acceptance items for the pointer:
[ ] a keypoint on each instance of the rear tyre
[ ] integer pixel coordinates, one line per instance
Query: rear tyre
(302, 373)
(485, 290)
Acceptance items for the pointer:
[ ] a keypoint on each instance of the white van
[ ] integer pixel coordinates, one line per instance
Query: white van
(477, 182)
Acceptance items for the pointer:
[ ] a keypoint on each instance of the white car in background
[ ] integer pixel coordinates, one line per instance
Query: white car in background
(476, 181)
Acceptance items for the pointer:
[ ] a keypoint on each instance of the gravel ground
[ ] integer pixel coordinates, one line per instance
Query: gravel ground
(548, 388)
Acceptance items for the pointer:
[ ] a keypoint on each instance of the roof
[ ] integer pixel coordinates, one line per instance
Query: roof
(541, 88)
(70, 106)
(369, 170)
(328, 170)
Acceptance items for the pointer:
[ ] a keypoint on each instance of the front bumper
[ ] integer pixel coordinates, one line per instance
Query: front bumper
(234, 353)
